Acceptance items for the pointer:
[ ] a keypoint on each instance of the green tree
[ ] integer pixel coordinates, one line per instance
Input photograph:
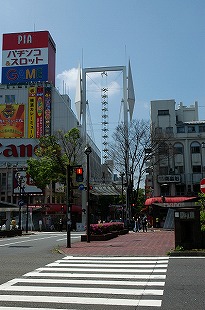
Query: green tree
(54, 153)
(201, 201)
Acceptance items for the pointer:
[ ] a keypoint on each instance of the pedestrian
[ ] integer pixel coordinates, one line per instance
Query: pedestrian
(157, 222)
(137, 224)
(40, 223)
(144, 223)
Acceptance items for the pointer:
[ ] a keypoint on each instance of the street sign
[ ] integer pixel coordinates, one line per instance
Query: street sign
(21, 203)
(202, 186)
(81, 187)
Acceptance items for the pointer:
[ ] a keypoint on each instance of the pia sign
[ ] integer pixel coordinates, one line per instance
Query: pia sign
(28, 57)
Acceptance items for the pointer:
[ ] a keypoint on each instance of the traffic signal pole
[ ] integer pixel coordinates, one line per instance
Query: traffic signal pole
(79, 178)
(68, 210)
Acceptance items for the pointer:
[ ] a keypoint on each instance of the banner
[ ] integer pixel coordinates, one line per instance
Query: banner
(39, 111)
(47, 111)
(12, 120)
(31, 112)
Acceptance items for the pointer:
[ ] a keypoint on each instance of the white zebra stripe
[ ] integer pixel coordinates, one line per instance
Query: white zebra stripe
(99, 275)
(87, 282)
(132, 270)
(82, 300)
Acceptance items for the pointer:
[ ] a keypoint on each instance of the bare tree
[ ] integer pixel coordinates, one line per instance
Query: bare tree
(137, 148)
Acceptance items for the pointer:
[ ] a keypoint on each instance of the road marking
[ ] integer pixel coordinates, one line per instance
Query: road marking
(132, 270)
(113, 260)
(87, 282)
(91, 265)
(81, 300)
(23, 241)
(121, 282)
(26, 308)
(81, 290)
(98, 275)
(32, 239)
(130, 258)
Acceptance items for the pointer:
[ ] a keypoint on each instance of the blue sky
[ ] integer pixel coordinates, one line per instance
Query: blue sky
(164, 39)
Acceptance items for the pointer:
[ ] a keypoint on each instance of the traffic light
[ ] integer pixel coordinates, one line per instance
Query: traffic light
(79, 174)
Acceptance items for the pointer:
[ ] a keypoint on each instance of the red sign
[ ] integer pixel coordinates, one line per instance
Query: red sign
(202, 186)
(25, 40)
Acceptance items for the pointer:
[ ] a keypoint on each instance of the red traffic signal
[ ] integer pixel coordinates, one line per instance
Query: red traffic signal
(79, 174)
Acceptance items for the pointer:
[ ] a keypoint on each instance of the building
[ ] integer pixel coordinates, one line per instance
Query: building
(177, 166)
(31, 106)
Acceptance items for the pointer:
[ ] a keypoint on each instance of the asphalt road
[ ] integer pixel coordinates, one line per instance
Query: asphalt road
(25, 253)
(184, 287)
(185, 284)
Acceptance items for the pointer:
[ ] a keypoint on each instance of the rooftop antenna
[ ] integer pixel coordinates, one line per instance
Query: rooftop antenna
(82, 57)
(125, 54)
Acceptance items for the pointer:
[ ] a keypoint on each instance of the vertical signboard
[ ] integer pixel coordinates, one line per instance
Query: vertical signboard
(47, 111)
(31, 111)
(39, 111)
(28, 57)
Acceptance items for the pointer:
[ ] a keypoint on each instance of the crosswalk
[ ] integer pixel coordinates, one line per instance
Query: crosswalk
(89, 283)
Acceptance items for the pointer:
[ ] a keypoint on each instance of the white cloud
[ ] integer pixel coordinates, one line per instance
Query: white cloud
(68, 78)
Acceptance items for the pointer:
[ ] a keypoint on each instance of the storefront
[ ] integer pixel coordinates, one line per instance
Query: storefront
(161, 209)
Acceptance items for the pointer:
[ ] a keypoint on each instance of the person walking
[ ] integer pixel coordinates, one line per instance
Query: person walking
(144, 223)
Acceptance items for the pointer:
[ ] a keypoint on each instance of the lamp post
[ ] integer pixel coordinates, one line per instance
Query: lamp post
(68, 209)
(122, 176)
(20, 202)
(88, 150)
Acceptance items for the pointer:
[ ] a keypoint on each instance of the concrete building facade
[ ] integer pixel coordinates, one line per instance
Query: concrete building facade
(30, 107)
(178, 166)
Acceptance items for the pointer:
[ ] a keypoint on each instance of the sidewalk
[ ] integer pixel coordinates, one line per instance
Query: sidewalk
(152, 243)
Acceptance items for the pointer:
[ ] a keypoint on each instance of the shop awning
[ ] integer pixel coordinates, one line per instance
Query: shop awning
(61, 208)
(175, 199)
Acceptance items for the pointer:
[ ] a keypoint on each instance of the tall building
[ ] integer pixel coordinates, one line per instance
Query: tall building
(30, 107)
(179, 165)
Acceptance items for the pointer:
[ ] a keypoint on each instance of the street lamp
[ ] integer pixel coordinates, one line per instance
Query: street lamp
(20, 202)
(87, 151)
(122, 176)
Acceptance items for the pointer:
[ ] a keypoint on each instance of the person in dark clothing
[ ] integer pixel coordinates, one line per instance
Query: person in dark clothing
(144, 223)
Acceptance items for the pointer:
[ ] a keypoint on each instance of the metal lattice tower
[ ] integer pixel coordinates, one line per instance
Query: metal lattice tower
(105, 120)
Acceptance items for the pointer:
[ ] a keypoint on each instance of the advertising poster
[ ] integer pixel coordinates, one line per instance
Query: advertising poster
(23, 184)
(47, 111)
(12, 117)
(31, 111)
(39, 111)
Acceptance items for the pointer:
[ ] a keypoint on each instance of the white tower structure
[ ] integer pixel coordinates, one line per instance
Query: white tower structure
(81, 100)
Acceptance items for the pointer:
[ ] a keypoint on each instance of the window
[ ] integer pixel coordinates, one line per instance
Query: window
(195, 148)
(163, 112)
(181, 129)
(202, 128)
(163, 149)
(178, 148)
(169, 129)
(179, 169)
(158, 130)
(180, 189)
(163, 170)
(196, 169)
(191, 129)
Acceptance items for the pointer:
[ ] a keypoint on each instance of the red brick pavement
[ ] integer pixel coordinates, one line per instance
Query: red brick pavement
(152, 243)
